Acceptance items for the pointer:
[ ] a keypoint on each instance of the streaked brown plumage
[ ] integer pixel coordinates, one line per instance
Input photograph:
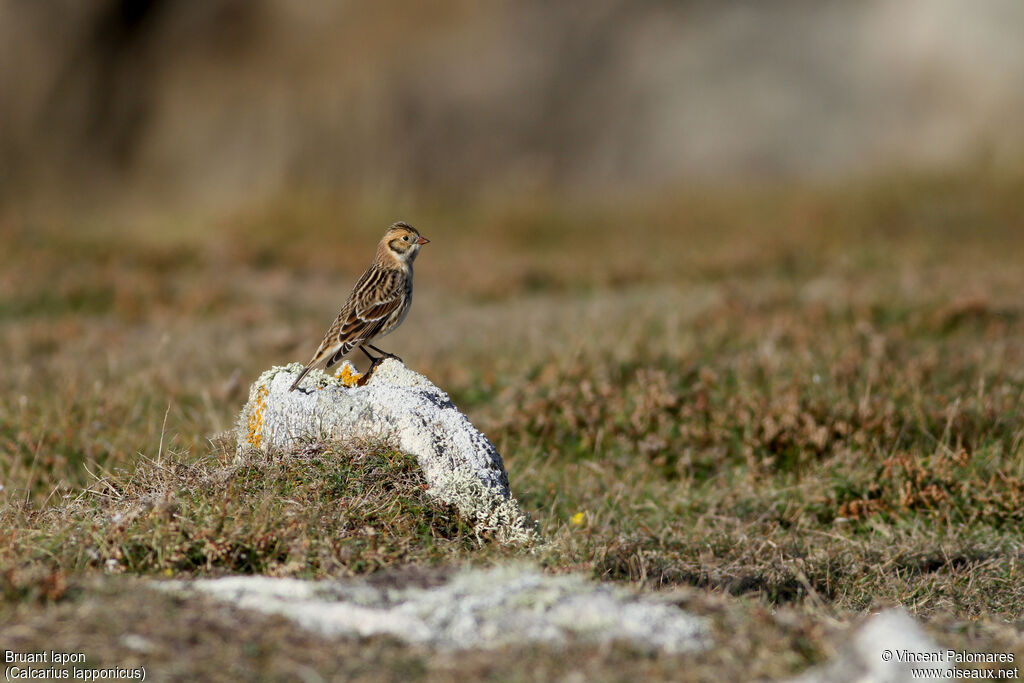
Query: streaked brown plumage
(377, 304)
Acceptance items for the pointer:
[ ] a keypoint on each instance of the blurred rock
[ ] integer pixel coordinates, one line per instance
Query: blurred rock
(879, 653)
(474, 609)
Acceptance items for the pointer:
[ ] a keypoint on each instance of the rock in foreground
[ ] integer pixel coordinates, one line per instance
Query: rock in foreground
(474, 609)
(462, 467)
(886, 649)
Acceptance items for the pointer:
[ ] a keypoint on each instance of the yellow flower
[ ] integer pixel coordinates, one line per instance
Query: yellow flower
(577, 519)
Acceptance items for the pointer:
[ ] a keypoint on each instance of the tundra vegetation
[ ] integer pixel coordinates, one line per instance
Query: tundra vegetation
(786, 408)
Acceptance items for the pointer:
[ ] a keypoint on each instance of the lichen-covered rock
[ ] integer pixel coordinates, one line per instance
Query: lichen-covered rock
(473, 609)
(461, 465)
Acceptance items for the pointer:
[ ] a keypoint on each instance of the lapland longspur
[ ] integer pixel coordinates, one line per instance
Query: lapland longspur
(377, 304)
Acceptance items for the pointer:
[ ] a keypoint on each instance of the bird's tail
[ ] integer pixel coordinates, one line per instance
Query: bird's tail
(299, 378)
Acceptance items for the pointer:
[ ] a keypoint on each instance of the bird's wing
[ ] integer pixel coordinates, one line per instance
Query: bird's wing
(372, 303)
(373, 300)
(370, 306)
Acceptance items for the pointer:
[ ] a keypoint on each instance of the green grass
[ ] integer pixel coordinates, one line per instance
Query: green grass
(794, 406)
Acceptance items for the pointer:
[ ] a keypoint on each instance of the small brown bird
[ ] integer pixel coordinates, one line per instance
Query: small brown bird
(377, 304)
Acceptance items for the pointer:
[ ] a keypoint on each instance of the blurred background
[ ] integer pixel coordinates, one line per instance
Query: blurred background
(189, 188)
(212, 104)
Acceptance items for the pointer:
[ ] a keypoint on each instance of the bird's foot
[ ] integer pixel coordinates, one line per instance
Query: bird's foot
(384, 354)
(369, 372)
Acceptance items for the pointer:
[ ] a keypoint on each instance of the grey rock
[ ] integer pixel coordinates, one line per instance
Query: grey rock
(474, 609)
(460, 464)
(884, 650)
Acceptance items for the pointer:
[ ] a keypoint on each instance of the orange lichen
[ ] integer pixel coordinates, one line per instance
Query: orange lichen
(348, 376)
(256, 417)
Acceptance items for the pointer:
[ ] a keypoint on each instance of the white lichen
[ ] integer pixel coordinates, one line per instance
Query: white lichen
(490, 514)
(488, 608)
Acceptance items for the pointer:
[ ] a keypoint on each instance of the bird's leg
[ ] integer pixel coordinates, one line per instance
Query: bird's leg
(374, 362)
(384, 354)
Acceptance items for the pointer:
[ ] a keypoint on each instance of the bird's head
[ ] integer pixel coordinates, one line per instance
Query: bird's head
(403, 242)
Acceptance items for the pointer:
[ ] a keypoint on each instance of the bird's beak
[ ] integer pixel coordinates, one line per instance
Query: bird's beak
(422, 240)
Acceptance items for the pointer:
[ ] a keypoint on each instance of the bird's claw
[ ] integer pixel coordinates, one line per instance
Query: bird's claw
(369, 372)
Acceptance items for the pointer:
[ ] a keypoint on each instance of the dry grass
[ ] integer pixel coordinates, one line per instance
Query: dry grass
(328, 509)
(788, 399)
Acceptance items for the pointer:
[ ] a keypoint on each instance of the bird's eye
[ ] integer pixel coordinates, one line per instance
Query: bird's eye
(405, 238)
